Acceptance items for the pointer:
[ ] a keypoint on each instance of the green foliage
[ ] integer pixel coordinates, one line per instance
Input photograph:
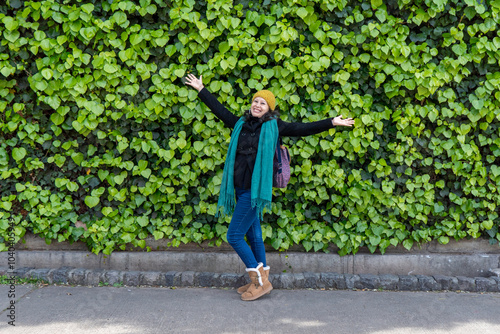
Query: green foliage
(8, 280)
(97, 128)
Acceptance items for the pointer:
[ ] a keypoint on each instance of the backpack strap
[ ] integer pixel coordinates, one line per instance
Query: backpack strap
(278, 151)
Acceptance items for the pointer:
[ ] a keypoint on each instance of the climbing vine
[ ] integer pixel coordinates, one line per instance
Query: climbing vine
(97, 129)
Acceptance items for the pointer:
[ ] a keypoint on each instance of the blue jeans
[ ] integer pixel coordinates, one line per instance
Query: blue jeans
(246, 222)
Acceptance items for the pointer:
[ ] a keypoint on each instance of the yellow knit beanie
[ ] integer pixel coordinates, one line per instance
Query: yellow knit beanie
(268, 96)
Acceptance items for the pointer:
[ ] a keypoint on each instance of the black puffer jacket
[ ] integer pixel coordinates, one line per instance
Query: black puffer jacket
(248, 142)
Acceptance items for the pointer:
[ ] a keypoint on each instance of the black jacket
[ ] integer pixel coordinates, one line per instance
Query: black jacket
(248, 142)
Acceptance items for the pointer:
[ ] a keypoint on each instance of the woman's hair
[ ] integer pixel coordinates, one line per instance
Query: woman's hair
(271, 114)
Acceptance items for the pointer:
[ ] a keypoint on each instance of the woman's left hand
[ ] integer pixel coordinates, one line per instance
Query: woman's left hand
(338, 121)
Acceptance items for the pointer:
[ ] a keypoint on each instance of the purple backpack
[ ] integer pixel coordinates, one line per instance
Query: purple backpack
(281, 166)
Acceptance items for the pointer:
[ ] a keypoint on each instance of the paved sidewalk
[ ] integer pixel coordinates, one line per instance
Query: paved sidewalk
(75, 310)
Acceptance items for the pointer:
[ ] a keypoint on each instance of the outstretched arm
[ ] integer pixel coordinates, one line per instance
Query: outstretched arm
(306, 129)
(211, 101)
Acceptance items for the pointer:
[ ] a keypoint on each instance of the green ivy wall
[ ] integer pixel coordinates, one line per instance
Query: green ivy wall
(96, 127)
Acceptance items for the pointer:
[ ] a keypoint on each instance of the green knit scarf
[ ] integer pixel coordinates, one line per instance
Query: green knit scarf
(262, 177)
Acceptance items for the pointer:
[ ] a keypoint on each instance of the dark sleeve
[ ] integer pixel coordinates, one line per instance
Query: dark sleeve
(217, 108)
(303, 129)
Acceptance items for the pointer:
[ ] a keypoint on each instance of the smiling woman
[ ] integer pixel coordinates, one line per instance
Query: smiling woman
(262, 102)
(246, 188)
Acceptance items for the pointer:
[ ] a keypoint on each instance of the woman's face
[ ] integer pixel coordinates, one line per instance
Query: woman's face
(259, 107)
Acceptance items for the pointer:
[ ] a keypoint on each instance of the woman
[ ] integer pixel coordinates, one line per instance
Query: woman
(247, 175)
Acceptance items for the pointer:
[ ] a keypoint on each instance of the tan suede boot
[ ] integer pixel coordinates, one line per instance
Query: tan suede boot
(260, 284)
(244, 288)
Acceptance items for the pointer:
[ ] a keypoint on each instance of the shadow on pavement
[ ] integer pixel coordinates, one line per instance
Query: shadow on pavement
(63, 309)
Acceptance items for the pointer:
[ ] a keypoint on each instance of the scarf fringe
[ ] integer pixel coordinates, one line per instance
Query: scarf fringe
(261, 204)
(226, 207)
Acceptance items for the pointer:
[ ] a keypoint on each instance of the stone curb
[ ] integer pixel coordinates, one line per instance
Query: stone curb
(306, 280)
(469, 265)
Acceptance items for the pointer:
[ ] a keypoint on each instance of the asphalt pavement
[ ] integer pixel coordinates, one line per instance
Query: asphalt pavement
(61, 309)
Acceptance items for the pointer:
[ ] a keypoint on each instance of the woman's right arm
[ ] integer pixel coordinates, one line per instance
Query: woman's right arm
(211, 101)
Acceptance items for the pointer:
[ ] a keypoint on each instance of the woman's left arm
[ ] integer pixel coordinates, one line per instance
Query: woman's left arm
(306, 129)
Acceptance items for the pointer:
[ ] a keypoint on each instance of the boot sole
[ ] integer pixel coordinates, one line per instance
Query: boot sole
(266, 292)
(240, 293)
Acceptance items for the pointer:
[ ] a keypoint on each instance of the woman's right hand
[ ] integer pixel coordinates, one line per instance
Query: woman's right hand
(194, 82)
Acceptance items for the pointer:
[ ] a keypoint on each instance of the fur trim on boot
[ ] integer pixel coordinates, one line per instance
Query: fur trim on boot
(260, 284)
(245, 287)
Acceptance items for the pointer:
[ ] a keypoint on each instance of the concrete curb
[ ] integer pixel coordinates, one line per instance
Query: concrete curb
(305, 280)
(469, 265)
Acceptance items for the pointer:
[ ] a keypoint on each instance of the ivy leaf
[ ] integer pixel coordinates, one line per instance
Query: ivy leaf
(223, 47)
(410, 84)
(295, 99)
(77, 158)
(87, 8)
(143, 221)
(459, 49)
(302, 13)
(91, 201)
(88, 33)
(389, 69)
(10, 23)
(307, 245)
(376, 3)
(198, 145)
(380, 78)
(433, 114)
(380, 14)
(146, 173)
(179, 72)
(181, 143)
(103, 174)
(18, 153)
(6, 205)
(106, 210)
(127, 237)
(158, 235)
(120, 178)
(12, 36)
(56, 118)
